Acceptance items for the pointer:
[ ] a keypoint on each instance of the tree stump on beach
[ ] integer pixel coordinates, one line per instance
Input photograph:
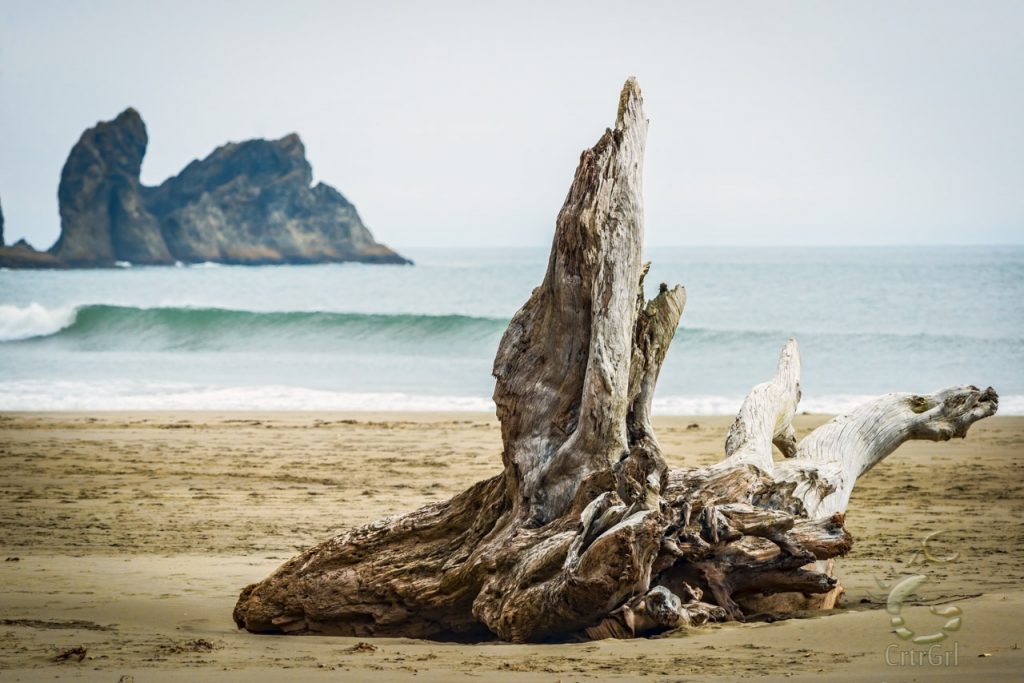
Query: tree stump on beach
(587, 533)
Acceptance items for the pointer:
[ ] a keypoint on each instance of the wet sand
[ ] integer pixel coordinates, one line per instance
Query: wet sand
(134, 532)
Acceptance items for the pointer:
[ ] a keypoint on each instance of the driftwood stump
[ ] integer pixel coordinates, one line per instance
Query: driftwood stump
(587, 533)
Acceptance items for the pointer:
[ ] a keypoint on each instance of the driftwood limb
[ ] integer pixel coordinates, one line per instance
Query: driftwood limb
(587, 533)
(766, 415)
(824, 467)
(829, 461)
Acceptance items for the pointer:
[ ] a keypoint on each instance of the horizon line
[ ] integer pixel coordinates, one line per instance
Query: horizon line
(730, 246)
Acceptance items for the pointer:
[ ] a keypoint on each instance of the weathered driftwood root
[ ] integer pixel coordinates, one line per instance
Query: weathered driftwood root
(587, 533)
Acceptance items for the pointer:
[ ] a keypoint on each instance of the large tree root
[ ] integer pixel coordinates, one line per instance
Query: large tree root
(587, 533)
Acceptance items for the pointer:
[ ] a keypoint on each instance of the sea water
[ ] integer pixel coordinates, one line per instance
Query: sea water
(869, 320)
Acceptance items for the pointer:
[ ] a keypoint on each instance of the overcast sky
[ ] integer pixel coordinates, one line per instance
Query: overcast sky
(453, 123)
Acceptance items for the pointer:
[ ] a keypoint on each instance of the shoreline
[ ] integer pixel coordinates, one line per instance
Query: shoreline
(19, 398)
(135, 531)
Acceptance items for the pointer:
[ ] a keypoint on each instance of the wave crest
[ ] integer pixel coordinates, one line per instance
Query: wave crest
(108, 327)
(34, 320)
(104, 327)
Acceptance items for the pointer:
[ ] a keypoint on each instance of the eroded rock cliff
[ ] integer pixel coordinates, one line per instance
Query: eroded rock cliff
(251, 202)
(102, 215)
(254, 202)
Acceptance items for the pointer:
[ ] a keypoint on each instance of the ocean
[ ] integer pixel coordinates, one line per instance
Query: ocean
(360, 337)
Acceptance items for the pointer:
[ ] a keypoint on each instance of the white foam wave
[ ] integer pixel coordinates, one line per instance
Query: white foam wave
(131, 395)
(33, 320)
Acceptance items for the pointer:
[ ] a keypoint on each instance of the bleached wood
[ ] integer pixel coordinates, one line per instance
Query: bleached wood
(829, 461)
(562, 367)
(587, 532)
(766, 415)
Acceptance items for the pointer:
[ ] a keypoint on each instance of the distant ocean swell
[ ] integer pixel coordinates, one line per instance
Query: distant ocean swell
(110, 357)
(210, 329)
(108, 327)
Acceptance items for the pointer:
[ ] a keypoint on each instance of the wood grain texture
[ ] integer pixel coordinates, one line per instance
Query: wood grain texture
(587, 533)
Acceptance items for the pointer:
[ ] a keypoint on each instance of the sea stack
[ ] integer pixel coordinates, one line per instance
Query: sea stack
(247, 203)
(102, 215)
(254, 202)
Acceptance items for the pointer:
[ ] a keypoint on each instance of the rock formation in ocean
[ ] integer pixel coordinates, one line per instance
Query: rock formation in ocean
(103, 218)
(254, 202)
(247, 203)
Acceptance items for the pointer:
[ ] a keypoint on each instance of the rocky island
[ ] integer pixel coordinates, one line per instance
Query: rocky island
(248, 203)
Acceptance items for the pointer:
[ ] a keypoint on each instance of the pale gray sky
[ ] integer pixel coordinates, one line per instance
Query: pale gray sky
(460, 123)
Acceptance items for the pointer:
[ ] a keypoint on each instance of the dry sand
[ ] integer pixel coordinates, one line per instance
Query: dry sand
(134, 532)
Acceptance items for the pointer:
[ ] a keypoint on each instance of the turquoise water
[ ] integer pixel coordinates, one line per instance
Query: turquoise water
(869, 320)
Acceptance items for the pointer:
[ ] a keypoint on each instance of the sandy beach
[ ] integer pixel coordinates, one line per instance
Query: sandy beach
(130, 535)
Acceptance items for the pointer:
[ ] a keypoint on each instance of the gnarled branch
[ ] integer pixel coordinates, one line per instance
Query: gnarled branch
(587, 533)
